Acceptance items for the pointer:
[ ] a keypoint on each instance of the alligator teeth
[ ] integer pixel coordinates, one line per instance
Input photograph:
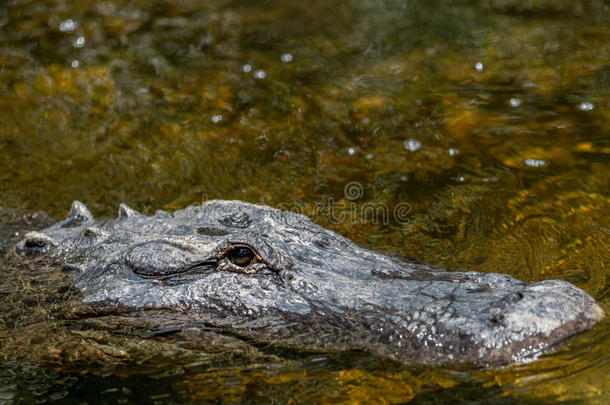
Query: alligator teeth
(126, 212)
(78, 215)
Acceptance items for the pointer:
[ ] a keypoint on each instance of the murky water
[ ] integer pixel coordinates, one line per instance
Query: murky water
(469, 134)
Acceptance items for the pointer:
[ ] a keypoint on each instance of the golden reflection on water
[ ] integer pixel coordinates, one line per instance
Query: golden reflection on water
(489, 119)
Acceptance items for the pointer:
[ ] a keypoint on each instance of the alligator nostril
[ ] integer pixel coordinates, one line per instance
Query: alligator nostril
(497, 320)
(514, 297)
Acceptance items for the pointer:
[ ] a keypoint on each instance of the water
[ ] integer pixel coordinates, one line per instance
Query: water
(469, 134)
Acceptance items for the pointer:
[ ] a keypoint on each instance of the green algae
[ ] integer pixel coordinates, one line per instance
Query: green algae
(172, 103)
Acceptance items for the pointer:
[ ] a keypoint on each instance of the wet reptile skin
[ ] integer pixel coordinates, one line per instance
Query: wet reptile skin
(307, 287)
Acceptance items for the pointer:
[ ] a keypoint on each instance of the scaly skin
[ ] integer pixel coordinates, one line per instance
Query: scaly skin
(274, 276)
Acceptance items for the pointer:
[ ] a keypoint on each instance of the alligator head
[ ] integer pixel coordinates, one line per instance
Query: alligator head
(277, 277)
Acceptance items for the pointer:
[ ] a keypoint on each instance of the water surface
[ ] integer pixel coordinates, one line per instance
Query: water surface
(469, 134)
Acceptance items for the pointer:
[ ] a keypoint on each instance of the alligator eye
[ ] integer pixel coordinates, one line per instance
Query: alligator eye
(241, 256)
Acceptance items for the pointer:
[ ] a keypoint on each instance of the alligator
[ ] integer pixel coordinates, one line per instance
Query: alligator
(276, 277)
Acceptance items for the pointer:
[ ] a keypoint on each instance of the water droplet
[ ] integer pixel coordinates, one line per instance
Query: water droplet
(246, 68)
(79, 42)
(412, 144)
(586, 106)
(534, 162)
(453, 152)
(479, 66)
(260, 74)
(286, 58)
(67, 26)
(216, 118)
(514, 102)
(75, 63)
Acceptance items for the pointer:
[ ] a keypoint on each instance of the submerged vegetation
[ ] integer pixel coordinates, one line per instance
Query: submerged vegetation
(490, 119)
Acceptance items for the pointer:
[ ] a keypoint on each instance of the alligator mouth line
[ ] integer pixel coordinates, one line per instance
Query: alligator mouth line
(201, 267)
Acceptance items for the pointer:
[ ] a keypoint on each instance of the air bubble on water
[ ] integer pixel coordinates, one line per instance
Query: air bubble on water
(216, 118)
(246, 68)
(479, 66)
(260, 74)
(369, 156)
(586, 106)
(412, 144)
(67, 26)
(351, 151)
(514, 102)
(79, 42)
(286, 58)
(534, 162)
(75, 63)
(453, 152)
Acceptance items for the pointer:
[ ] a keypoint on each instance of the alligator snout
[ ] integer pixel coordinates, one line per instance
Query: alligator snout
(549, 312)
(527, 321)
